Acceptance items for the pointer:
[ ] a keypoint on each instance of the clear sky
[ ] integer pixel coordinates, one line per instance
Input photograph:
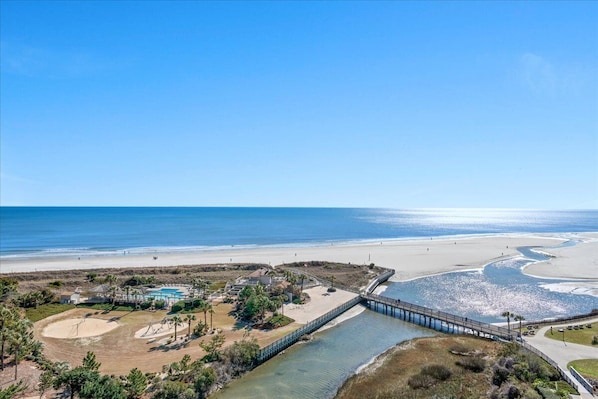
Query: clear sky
(373, 104)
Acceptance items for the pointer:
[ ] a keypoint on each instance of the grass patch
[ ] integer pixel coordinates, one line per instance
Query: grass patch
(47, 310)
(583, 336)
(586, 367)
(278, 321)
(108, 307)
(217, 285)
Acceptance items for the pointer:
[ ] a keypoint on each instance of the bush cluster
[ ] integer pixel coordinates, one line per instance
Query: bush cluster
(475, 363)
(429, 375)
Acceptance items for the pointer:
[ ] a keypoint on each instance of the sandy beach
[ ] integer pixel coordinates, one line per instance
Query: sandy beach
(410, 258)
(576, 262)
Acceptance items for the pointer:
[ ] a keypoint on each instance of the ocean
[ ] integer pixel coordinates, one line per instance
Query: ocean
(319, 367)
(81, 231)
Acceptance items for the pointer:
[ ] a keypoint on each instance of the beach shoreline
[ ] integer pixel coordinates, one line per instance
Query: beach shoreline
(410, 258)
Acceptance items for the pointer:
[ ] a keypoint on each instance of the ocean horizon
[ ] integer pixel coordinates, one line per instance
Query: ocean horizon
(95, 231)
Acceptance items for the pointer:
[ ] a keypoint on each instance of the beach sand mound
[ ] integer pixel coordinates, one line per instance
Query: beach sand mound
(79, 328)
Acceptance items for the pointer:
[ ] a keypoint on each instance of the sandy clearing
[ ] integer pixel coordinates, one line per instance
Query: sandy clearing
(321, 303)
(79, 328)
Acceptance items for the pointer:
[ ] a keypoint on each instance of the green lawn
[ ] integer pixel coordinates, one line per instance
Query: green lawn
(582, 337)
(586, 367)
(46, 310)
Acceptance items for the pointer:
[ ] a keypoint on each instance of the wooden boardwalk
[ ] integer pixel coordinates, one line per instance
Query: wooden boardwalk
(426, 317)
(436, 319)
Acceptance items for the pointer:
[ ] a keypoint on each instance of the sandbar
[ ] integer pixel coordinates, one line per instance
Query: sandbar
(575, 262)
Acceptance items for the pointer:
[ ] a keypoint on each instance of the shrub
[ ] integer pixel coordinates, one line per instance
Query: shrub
(159, 304)
(500, 374)
(200, 329)
(475, 364)
(547, 393)
(55, 284)
(513, 392)
(531, 394)
(421, 381)
(437, 371)
(458, 349)
(178, 306)
(595, 340)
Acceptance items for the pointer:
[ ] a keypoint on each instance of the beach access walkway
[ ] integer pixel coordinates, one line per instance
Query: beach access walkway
(444, 322)
(561, 352)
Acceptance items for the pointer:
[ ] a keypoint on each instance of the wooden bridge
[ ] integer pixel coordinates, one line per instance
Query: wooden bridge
(436, 319)
(431, 318)
(426, 317)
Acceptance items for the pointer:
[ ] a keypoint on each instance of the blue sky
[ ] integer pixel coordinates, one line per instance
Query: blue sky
(374, 104)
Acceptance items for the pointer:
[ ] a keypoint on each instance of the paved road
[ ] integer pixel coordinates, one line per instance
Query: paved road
(563, 352)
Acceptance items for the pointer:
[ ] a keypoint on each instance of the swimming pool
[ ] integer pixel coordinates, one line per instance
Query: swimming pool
(166, 294)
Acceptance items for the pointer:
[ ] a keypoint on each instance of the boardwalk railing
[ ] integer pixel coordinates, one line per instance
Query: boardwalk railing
(411, 310)
(283, 343)
(582, 380)
(429, 315)
(379, 280)
(271, 350)
(562, 372)
(564, 320)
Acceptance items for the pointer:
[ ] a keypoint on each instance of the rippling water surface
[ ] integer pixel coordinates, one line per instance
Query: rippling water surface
(318, 368)
(483, 295)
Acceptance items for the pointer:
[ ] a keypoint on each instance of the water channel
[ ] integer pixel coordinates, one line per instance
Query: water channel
(317, 369)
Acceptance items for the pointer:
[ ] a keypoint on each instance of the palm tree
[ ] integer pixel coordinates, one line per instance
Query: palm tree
(112, 292)
(205, 308)
(282, 299)
(263, 303)
(189, 318)
(302, 277)
(200, 285)
(211, 315)
(128, 291)
(36, 298)
(332, 278)
(136, 294)
(519, 318)
(291, 278)
(19, 337)
(177, 321)
(508, 315)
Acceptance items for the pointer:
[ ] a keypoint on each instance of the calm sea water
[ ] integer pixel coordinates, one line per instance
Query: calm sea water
(45, 231)
(316, 369)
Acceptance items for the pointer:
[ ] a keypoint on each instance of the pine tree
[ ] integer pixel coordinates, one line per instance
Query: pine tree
(136, 384)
